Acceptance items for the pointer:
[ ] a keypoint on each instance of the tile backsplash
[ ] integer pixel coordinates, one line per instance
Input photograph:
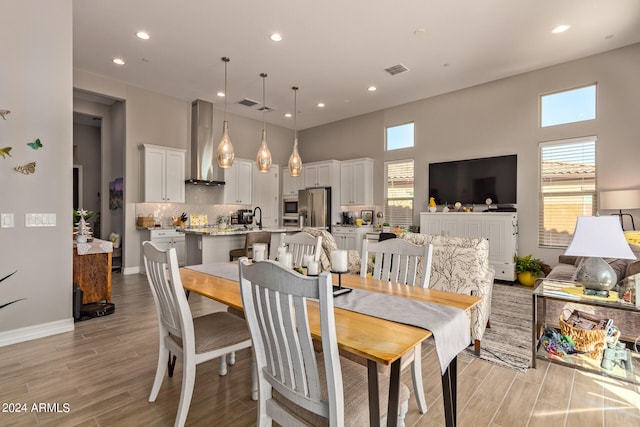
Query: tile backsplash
(199, 200)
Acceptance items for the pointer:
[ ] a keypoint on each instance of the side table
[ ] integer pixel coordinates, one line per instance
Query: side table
(552, 290)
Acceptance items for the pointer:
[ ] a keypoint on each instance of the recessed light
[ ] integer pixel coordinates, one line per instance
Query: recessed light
(320, 104)
(419, 31)
(220, 94)
(143, 35)
(560, 29)
(118, 61)
(288, 115)
(276, 37)
(372, 88)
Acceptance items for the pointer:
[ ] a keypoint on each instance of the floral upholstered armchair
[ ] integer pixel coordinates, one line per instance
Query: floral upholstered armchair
(329, 244)
(461, 265)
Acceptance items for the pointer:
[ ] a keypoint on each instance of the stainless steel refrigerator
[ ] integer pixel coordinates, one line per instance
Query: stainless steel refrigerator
(314, 208)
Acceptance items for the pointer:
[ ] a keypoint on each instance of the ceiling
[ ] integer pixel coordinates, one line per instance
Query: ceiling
(335, 49)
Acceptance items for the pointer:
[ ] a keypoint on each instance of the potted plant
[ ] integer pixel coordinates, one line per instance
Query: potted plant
(528, 269)
(223, 221)
(386, 228)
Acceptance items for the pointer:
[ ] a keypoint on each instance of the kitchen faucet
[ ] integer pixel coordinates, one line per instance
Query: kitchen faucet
(259, 221)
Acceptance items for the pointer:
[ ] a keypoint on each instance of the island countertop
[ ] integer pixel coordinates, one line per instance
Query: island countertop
(213, 231)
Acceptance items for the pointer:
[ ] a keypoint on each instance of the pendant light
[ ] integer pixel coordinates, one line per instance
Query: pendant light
(263, 159)
(225, 152)
(295, 162)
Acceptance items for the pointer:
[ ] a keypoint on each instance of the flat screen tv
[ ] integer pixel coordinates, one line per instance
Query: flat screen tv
(475, 180)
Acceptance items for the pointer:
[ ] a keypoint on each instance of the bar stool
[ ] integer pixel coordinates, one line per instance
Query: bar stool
(251, 238)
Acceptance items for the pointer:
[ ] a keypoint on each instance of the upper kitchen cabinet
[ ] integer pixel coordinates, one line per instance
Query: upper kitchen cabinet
(321, 174)
(163, 174)
(291, 184)
(356, 182)
(238, 181)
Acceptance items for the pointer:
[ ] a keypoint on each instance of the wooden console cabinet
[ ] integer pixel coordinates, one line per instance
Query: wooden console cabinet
(92, 273)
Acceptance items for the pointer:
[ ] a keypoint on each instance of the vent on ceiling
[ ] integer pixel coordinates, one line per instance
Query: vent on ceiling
(248, 102)
(396, 69)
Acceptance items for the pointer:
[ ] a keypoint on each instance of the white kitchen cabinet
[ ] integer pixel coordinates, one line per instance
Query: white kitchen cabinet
(356, 182)
(350, 238)
(322, 174)
(291, 184)
(238, 182)
(163, 174)
(266, 195)
(165, 239)
(500, 228)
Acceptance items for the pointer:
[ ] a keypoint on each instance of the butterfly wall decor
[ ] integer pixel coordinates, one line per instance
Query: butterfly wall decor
(4, 113)
(27, 169)
(5, 152)
(35, 144)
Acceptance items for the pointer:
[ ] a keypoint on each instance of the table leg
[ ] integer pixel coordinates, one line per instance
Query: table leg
(450, 392)
(394, 395)
(374, 401)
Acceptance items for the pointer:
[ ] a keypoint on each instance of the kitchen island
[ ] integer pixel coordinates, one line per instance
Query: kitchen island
(208, 244)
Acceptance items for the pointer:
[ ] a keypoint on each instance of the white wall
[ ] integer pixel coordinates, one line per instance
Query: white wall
(500, 118)
(36, 76)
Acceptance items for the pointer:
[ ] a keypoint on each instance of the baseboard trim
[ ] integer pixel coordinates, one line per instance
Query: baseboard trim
(131, 270)
(42, 330)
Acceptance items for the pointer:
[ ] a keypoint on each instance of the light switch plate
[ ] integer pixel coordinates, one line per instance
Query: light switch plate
(6, 220)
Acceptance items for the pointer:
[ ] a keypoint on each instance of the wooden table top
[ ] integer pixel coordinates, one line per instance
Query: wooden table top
(380, 340)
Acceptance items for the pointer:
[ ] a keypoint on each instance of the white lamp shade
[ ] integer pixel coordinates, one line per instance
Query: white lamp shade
(599, 236)
(620, 199)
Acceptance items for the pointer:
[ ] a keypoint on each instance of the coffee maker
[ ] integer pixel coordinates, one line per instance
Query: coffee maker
(347, 218)
(242, 217)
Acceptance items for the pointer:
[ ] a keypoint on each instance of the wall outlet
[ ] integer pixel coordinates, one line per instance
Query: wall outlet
(6, 220)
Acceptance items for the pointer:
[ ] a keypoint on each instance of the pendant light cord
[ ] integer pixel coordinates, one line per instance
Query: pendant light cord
(295, 111)
(264, 100)
(226, 61)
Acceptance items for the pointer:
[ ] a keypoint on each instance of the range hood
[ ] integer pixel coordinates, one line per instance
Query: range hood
(204, 165)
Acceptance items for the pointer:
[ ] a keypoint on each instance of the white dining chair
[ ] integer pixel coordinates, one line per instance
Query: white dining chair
(193, 340)
(295, 383)
(400, 261)
(300, 244)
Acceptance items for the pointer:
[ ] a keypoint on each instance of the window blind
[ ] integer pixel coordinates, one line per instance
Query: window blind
(398, 203)
(567, 188)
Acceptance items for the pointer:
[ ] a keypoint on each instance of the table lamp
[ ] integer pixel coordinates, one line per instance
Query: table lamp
(596, 237)
(619, 200)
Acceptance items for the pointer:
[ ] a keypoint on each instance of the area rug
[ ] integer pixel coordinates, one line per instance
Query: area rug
(508, 341)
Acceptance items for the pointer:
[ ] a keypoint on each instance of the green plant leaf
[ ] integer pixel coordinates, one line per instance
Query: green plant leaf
(9, 303)
(8, 275)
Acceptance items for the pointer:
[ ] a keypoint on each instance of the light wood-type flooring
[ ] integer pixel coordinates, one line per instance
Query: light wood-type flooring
(101, 374)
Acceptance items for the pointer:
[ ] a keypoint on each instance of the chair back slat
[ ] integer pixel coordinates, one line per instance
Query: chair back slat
(166, 286)
(301, 244)
(398, 261)
(275, 304)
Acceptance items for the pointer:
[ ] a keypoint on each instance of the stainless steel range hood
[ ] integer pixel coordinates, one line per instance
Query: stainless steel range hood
(204, 166)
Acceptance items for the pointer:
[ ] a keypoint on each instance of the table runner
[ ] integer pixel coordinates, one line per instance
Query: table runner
(96, 246)
(449, 325)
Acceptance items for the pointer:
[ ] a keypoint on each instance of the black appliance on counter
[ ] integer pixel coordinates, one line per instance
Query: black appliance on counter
(347, 218)
(242, 216)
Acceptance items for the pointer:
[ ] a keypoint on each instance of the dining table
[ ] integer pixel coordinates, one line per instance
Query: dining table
(379, 341)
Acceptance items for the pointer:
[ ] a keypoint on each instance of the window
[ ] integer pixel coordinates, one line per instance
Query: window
(567, 188)
(399, 136)
(398, 191)
(569, 106)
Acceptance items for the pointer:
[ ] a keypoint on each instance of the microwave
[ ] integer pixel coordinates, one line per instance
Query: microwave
(290, 207)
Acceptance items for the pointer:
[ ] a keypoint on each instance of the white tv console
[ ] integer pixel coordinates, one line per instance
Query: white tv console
(500, 228)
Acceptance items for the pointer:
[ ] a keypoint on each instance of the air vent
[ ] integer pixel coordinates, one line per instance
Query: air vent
(248, 102)
(396, 69)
